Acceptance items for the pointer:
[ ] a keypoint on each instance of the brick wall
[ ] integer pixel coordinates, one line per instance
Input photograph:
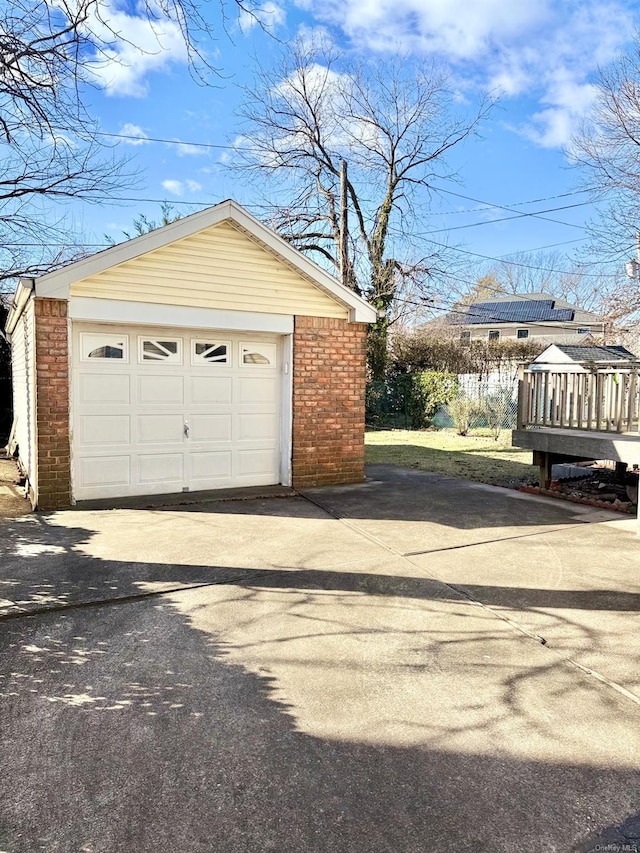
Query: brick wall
(329, 358)
(52, 403)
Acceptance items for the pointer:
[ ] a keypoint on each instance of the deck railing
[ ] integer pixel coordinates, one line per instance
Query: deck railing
(603, 400)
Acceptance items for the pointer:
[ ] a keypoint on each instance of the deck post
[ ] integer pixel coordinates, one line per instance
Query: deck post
(523, 414)
(544, 461)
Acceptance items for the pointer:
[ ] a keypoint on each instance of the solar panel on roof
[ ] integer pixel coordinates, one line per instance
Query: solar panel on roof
(516, 311)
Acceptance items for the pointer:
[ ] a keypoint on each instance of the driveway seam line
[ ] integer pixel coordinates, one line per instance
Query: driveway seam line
(516, 626)
(125, 599)
(485, 542)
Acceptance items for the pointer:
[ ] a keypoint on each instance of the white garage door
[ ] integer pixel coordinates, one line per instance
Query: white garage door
(157, 411)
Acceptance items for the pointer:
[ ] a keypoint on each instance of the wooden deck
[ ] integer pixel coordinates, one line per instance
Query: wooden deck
(580, 444)
(606, 400)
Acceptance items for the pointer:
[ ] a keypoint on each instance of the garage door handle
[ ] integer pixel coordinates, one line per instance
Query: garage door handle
(186, 430)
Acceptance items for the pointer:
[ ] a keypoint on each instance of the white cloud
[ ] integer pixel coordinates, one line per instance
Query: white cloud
(236, 145)
(269, 16)
(314, 38)
(553, 126)
(186, 149)
(541, 50)
(133, 130)
(173, 187)
(178, 187)
(456, 28)
(122, 66)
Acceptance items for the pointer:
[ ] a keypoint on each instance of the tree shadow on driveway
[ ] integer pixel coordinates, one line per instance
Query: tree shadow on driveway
(162, 707)
(45, 566)
(126, 728)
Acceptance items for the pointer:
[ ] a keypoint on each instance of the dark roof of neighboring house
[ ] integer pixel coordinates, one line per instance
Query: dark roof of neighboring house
(511, 311)
(593, 352)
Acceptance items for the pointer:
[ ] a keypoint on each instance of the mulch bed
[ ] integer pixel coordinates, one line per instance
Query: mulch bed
(600, 490)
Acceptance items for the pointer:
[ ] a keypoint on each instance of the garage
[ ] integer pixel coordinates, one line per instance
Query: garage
(172, 410)
(207, 354)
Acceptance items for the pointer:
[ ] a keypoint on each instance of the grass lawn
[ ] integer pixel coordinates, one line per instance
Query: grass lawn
(472, 457)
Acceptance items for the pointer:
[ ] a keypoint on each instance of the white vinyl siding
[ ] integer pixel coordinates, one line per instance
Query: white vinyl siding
(24, 392)
(562, 331)
(220, 267)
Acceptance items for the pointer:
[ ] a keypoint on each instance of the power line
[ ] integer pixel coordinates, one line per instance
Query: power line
(538, 214)
(508, 208)
(519, 263)
(512, 204)
(142, 139)
(488, 206)
(540, 248)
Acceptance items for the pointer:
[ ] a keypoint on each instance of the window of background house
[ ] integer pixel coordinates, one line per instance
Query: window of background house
(494, 334)
(522, 334)
(465, 337)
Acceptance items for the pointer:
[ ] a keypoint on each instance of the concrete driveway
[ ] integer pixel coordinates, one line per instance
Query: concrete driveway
(414, 664)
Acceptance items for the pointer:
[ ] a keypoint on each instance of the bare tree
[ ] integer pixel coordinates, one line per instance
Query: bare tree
(555, 274)
(522, 273)
(393, 125)
(50, 150)
(607, 148)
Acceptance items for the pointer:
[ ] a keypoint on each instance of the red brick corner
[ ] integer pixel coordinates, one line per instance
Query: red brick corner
(329, 375)
(52, 403)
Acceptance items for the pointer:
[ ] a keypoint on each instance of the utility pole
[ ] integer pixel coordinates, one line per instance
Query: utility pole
(632, 267)
(344, 227)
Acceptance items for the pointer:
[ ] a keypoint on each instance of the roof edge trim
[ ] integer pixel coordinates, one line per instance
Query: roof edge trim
(23, 292)
(57, 284)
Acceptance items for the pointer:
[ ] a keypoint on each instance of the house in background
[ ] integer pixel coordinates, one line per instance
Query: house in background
(206, 354)
(522, 317)
(584, 358)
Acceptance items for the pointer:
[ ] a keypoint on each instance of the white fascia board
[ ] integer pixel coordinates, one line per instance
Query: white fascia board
(57, 284)
(120, 312)
(23, 292)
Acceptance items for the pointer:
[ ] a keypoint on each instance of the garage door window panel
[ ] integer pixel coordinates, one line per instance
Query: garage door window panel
(213, 353)
(96, 348)
(258, 355)
(156, 350)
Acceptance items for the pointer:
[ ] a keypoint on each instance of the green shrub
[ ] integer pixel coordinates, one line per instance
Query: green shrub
(464, 412)
(408, 400)
(496, 412)
(437, 388)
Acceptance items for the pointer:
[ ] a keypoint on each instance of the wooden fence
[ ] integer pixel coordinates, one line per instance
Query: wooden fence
(601, 401)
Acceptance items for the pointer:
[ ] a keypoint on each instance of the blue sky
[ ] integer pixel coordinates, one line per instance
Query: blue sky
(539, 56)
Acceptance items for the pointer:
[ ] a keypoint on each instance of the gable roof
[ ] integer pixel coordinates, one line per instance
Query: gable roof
(591, 353)
(57, 284)
(529, 308)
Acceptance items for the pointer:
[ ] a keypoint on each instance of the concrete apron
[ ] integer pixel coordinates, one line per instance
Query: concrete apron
(388, 685)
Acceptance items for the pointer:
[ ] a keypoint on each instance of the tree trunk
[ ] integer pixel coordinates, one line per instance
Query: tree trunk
(377, 349)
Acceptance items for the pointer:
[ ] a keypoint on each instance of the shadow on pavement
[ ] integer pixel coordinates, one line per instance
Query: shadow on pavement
(127, 729)
(44, 567)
